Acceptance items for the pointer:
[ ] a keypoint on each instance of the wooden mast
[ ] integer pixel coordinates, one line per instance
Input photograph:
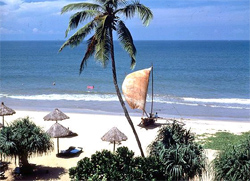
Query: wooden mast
(152, 102)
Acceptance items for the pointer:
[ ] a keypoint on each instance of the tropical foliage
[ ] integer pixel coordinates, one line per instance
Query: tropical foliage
(121, 165)
(22, 139)
(104, 17)
(173, 156)
(233, 163)
(182, 158)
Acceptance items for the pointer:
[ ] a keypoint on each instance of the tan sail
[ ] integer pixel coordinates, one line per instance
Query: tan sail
(135, 88)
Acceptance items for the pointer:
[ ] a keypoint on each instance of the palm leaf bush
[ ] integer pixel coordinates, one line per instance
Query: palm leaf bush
(182, 158)
(233, 163)
(23, 139)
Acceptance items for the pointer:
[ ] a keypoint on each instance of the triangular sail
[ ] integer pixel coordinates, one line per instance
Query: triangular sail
(135, 88)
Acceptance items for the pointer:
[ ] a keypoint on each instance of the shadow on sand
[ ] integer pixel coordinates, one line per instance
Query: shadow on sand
(44, 173)
(166, 122)
(68, 157)
(153, 126)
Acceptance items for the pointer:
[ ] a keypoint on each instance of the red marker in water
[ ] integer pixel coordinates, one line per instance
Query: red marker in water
(90, 87)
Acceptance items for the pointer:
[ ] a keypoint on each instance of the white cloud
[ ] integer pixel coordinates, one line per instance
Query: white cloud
(20, 7)
(41, 18)
(12, 3)
(10, 6)
(35, 30)
(9, 31)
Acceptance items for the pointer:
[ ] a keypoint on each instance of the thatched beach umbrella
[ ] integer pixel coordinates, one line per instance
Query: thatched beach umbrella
(59, 131)
(55, 115)
(5, 111)
(114, 136)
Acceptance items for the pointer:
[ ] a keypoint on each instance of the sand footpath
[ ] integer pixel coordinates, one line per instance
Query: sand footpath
(91, 127)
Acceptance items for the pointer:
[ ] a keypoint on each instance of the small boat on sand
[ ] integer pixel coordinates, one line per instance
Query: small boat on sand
(135, 89)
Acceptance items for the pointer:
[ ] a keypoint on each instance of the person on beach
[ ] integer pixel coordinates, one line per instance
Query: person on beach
(156, 115)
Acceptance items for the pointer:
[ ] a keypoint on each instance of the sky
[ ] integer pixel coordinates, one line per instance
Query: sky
(173, 20)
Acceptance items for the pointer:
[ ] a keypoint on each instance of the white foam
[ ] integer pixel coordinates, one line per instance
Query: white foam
(221, 100)
(233, 103)
(72, 97)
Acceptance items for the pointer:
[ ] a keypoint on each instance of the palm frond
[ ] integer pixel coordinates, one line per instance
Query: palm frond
(111, 3)
(82, 6)
(76, 38)
(101, 1)
(102, 48)
(144, 12)
(78, 18)
(90, 50)
(127, 41)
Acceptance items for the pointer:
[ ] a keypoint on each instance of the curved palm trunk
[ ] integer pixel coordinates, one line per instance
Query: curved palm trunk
(119, 93)
(24, 160)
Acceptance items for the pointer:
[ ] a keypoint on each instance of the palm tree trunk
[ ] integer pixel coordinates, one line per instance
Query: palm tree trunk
(119, 93)
(24, 160)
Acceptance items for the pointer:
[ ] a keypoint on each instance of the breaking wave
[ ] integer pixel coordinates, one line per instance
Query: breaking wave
(231, 103)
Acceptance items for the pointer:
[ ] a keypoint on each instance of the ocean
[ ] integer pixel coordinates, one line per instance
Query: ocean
(192, 79)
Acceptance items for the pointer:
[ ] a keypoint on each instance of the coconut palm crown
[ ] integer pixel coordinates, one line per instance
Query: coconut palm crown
(104, 18)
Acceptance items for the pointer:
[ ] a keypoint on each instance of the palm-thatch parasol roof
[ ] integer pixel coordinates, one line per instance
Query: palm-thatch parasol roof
(55, 115)
(5, 111)
(59, 131)
(114, 136)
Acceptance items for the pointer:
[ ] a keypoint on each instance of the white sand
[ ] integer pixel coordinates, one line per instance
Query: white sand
(91, 128)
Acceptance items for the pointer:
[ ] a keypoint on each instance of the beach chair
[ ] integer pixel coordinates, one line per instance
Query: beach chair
(3, 166)
(2, 175)
(70, 152)
(17, 173)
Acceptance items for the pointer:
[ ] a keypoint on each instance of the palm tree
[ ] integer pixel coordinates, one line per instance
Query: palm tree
(104, 20)
(22, 139)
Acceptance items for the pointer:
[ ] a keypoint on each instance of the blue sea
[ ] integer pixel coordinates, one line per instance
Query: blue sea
(192, 79)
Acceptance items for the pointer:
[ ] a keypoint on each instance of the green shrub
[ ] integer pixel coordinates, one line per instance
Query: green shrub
(149, 168)
(121, 165)
(233, 163)
(181, 157)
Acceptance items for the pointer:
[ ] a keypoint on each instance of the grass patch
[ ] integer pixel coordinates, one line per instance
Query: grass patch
(220, 140)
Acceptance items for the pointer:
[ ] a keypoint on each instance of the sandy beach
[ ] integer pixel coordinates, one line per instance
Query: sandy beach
(91, 127)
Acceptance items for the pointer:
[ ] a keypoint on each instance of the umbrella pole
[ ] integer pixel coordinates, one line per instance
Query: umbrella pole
(114, 147)
(57, 145)
(3, 121)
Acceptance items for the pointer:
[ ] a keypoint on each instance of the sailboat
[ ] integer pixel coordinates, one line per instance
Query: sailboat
(135, 89)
